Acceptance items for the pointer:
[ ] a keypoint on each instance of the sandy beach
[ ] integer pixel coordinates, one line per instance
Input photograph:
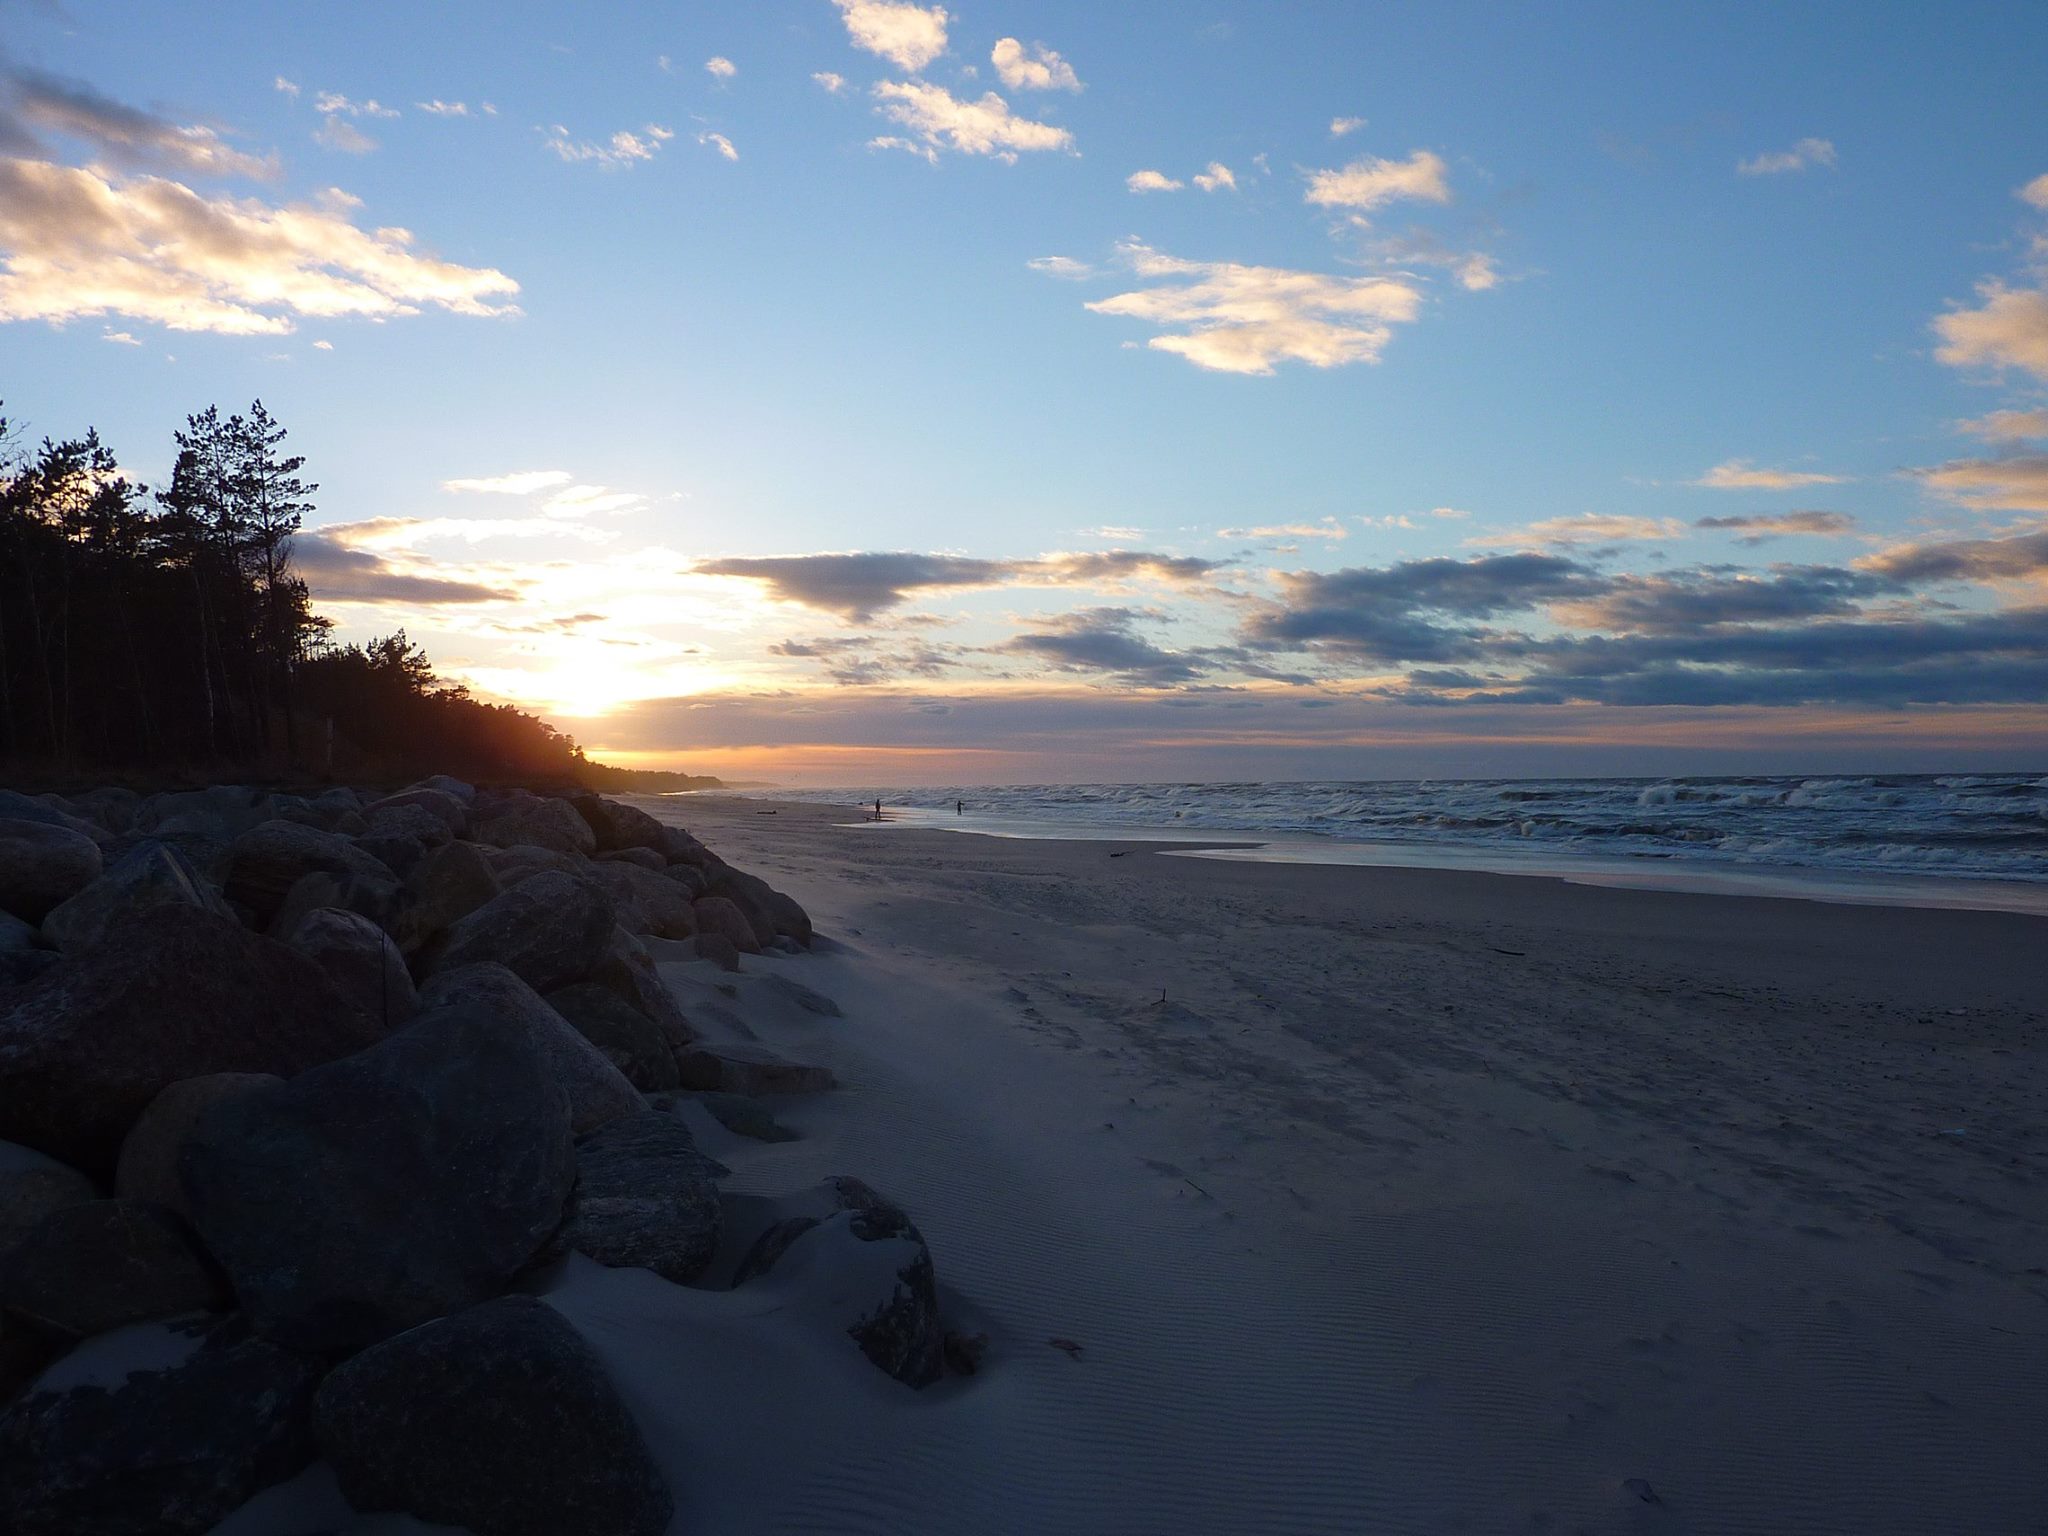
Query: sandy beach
(1385, 1199)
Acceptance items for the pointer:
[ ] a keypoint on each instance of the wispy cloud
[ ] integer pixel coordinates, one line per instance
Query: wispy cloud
(1216, 178)
(1756, 528)
(1804, 155)
(720, 67)
(2015, 483)
(1585, 528)
(338, 133)
(619, 152)
(1063, 267)
(1234, 318)
(34, 104)
(1340, 127)
(76, 243)
(719, 142)
(1036, 68)
(1328, 528)
(908, 36)
(1741, 475)
(831, 80)
(440, 108)
(2007, 426)
(334, 104)
(521, 482)
(941, 120)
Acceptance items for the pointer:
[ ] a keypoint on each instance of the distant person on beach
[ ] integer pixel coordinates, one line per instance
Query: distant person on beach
(878, 810)
(959, 807)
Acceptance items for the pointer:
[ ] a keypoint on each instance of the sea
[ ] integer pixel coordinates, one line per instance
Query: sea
(1919, 839)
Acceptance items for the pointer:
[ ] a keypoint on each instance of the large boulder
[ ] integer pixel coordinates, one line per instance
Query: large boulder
(147, 876)
(648, 903)
(620, 826)
(50, 810)
(646, 858)
(371, 1194)
(598, 1092)
(720, 915)
(534, 822)
(645, 1198)
(548, 931)
(450, 810)
(221, 812)
(87, 1045)
(375, 895)
(690, 878)
(31, 1187)
(447, 785)
(627, 971)
(443, 888)
(630, 1040)
(762, 902)
(269, 859)
(500, 1420)
(41, 865)
(161, 1429)
(96, 1267)
(148, 1167)
(857, 1260)
(361, 960)
(512, 865)
(113, 807)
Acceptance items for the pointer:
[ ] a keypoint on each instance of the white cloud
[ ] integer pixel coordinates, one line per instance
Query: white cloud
(1367, 183)
(1232, 318)
(339, 133)
(2009, 330)
(124, 137)
(75, 243)
(523, 482)
(2007, 426)
(1328, 528)
(908, 36)
(2035, 192)
(1061, 266)
(323, 346)
(1152, 181)
(1340, 126)
(440, 108)
(909, 146)
(618, 152)
(2016, 483)
(1739, 475)
(1216, 178)
(721, 66)
(122, 337)
(1801, 156)
(1391, 520)
(1586, 528)
(1035, 69)
(334, 104)
(664, 63)
(1478, 272)
(985, 127)
(289, 87)
(831, 80)
(1453, 514)
(719, 142)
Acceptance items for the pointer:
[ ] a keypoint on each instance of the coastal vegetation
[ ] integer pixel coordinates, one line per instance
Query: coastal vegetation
(168, 633)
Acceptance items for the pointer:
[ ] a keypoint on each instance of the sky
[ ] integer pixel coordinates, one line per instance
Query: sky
(863, 392)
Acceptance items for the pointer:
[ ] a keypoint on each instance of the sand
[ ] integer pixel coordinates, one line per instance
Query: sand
(1375, 1199)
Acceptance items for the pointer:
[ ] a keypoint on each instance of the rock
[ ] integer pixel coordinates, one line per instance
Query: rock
(375, 896)
(598, 1092)
(628, 971)
(49, 811)
(499, 1420)
(96, 1267)
(113, 807)
(512, 865)
(719, 950)
(648, 903)
(619, 826)
(86, 1046)
(32, 1186)
(371, 1194)
(148, 1167)
(753, 1070)
(462, 791)
(451, 811)
(645, 858)
(859, 1260)
(161, 1429)
(761, 900)
(394, 850)
(718, 914)
(548, 931)
(537, 823)
(743, 1116)
(269, 859)
(361, 960)
(222, 812)
(403, 818)
(147, 876)
(24, 1351)
(690, 878)
(679, 847)
(16, 936)
(645, 1198)
(42, 865)
(338, 802)
(629, 1039)
(19, 967)
(726, 886)
(444, 887)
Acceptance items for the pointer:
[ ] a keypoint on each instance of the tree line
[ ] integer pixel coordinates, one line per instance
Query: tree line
(167, 632)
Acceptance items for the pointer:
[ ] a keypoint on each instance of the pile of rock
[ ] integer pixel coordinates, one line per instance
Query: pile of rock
(299, 1100)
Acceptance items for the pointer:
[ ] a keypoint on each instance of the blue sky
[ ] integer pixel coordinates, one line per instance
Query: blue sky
(756, 415)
